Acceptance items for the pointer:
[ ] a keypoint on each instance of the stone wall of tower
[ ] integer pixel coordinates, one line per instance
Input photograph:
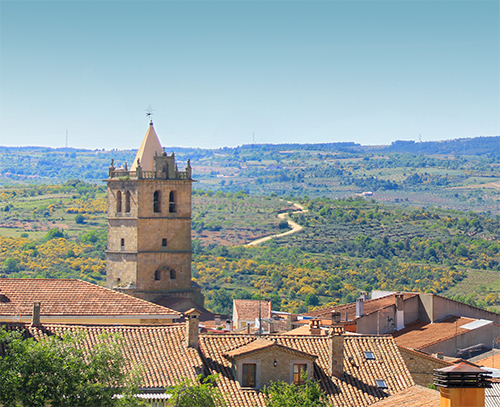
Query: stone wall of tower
(148, 250)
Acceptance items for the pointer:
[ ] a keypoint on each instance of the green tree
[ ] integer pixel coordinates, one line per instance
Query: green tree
(11, 265)
(197, 393)
(79, 219)
(53, 233)
(281, 394)
(223, 302)
(59, 371)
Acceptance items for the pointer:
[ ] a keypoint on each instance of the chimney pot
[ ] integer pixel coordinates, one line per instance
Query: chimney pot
(360, 307)
(192, 327)
(35, 318)
(315, 327)
(335, 317)
(337, 354)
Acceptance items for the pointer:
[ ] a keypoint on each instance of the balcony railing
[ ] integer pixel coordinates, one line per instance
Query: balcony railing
(126, 175)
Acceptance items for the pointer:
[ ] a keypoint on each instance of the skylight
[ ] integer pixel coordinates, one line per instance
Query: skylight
(369, 355)
(381, 384)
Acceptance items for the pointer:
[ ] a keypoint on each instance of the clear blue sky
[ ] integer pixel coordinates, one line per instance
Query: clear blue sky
(215, 72)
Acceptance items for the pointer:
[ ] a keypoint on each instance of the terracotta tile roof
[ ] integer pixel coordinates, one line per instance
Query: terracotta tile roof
(162, 353)
(306, 330)
(262, 344)
(415, 396)
(71, 297)
(370, 306)
(355, 388)
(249, 309)
(489, 361)
(420, 335)
(159, 350)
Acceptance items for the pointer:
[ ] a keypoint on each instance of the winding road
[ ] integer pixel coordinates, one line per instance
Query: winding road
(295, 227)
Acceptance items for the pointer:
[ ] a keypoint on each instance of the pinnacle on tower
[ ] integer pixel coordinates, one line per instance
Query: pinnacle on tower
(150, 147)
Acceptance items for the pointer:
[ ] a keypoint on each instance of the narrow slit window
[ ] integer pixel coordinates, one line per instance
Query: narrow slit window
(171, 202)
(172, 275)
(157, 275)
(122, 243)
(118, 201)
(127, 201)
(157, 201)
(164, 242)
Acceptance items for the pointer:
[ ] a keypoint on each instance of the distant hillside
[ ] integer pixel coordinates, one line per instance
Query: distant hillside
(456, 174)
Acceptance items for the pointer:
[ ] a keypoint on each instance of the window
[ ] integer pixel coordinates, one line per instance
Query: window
(298, 373)
(157, 201)
(127, 201)
(171, 202)
(381, 384)
(119, 201)
(369, 355)
(122, 243)
(248, 375)
(164, 242)
(157, 275)
(172, 275)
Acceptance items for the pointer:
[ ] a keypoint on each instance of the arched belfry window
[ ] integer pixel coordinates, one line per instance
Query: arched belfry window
(171, 202)
(118, 201)
(157, 201)
(172, 275)
(157, 275)
(127, 201)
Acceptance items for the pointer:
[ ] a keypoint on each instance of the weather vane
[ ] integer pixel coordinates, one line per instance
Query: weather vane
(149, 113)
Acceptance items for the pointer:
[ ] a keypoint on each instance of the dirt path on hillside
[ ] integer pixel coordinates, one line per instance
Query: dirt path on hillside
(295, 227)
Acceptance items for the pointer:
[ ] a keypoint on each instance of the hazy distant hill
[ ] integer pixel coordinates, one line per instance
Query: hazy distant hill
(456, 174)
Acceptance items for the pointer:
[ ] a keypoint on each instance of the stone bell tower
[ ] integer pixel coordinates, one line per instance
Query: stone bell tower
(149, 226)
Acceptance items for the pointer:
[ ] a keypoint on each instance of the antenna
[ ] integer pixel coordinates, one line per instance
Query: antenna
(149, 113)
(253, 138)
(66, 138)
(419, 137)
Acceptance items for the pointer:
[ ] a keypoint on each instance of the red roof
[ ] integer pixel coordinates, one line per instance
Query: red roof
(420, 335)
(165, 360)
(249, 309)
(71, 297)
(370, 306)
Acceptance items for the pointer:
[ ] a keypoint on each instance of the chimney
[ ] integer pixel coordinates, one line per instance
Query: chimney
(364, 295)
(35, 318)
(335, 317)
(400, 313)
(228, 325)
(217, 320)
(315, 327)
(192, 327)
(336, 353)
(289, 322)
(462, 385)
(346, 318)
(360, 307)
